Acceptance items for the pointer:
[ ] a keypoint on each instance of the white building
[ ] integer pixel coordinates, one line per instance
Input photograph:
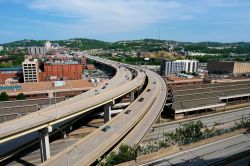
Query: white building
(30, 71)
(12, 81)
(36, 50)
(1, 48)
(47, 46)
(40, 50)
(174, 67)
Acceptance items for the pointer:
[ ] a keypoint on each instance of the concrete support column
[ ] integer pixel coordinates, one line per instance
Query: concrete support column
(44, 143)
(138, 91)
(132, 96)
(50, 94)
(107, 112)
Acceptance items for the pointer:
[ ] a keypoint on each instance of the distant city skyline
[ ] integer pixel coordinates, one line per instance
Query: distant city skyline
(109, 20)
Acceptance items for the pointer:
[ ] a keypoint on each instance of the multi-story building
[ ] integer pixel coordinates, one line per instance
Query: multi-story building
(30, 71)
(174, 67)
(36, 50)
(61, 70)
(40, 50)
(228, 67)
(1, 48)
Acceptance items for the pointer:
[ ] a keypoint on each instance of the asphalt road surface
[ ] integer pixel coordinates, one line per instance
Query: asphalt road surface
(208, 154)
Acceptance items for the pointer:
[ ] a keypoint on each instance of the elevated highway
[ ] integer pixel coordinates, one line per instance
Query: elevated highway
(153, 114)
(75, 106)
(147, 107)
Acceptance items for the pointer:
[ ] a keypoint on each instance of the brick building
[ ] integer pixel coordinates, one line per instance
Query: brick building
(6, 73)
(60, 70)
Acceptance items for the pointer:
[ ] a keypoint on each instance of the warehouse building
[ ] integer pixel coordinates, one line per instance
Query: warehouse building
(194, 99)
(228, 67)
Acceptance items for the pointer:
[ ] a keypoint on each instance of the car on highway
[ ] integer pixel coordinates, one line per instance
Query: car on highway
(127, 112)
(103, 87)
(106, 128)
(141, 99)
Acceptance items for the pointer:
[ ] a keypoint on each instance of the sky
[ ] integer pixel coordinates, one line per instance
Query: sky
(113, 20)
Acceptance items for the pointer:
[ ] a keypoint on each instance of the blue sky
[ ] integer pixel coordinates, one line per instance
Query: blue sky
(112, 20)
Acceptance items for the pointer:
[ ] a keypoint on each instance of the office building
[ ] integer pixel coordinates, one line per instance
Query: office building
(1, 48)
(30, 71)
(174, 67)
(40, 50)
(228, 67)
(61, 70)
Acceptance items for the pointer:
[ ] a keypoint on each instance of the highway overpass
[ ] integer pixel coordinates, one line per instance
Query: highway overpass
(147, 107)
(43, 121)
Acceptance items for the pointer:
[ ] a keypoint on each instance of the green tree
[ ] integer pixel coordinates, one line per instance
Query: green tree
(21, 96)
(4, 96)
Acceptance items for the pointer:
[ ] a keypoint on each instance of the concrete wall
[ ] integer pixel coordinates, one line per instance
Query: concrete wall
(44, 101)
(228, 67)
(220, 67)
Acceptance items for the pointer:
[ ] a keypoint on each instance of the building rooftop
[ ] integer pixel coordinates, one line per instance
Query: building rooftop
(207, 95)
(62, 62)
(11, 69)
(44, 87)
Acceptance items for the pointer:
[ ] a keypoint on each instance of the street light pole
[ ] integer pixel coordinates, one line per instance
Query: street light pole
(65, 137)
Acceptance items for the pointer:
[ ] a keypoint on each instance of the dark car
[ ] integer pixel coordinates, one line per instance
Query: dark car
(106, 128)
(148, 90)
(127, 112)
(141, 99)
(103, 87)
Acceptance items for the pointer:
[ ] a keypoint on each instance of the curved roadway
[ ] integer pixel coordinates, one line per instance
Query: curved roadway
(90, 148)
(69, 108)
(139, 131)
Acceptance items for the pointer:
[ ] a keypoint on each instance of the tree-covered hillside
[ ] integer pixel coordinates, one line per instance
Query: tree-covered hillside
(143, 45)
(77, 43)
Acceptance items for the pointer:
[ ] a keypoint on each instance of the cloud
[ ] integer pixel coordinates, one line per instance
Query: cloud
(98, 17)
(106, 16)
(109, 16)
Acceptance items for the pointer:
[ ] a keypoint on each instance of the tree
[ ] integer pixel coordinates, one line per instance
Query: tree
(21, 96)
(4, 96)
